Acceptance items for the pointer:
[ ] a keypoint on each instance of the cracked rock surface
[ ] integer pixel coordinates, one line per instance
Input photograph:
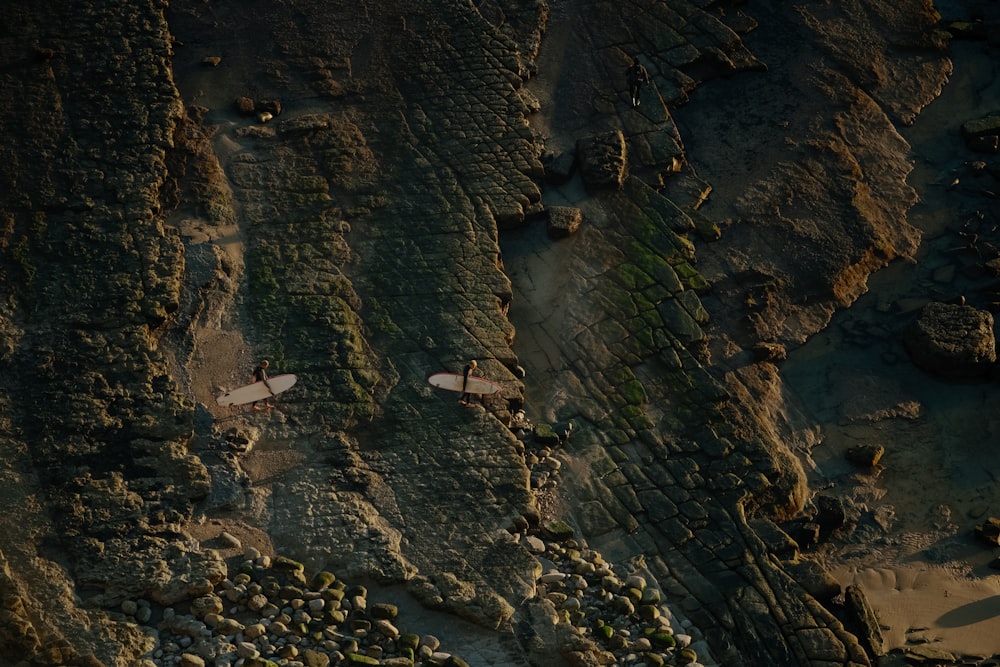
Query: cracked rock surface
(350, 190)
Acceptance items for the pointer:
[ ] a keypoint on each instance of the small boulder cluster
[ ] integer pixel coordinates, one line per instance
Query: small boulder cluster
(266, 615)
(624, 617)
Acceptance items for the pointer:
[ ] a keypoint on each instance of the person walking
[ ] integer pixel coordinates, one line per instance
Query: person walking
(260, 375)
(470, 370)
(637, 76)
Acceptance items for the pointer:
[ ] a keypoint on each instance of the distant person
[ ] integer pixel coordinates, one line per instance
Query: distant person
(260, 375)
(470, 370)
(637, 75)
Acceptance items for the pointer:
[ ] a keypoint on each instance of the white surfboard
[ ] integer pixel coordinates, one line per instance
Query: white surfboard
(454, 382)
(258, 390)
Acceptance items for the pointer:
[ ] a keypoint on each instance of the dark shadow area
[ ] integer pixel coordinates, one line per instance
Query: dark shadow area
(969, 614)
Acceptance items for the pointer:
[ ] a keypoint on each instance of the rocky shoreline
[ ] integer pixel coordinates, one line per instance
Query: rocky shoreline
(189, 187)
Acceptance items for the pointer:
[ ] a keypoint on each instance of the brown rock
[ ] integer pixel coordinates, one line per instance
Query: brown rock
(988, 532)
(563, 221)
(245, 106)
(870, 632)
(865, 456)
(952, 340)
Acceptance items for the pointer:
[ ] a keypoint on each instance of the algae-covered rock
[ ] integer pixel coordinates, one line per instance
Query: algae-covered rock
(322, 580)
(558, 530)
(544, 434)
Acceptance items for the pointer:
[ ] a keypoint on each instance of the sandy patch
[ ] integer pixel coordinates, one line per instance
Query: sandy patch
(925, 604)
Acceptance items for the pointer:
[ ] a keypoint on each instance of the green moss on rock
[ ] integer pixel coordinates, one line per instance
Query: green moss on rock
(634, 278)
(634, 392)
(323, 580)
(283, 563)
(558, 530)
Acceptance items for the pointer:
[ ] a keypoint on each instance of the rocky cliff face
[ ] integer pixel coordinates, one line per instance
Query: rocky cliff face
(345, 220)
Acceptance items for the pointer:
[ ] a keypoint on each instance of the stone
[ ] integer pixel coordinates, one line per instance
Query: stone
(230, 541)
(244, 106)
(864, 618)
(206, 604)
(544, 434)
(988, 532)
(386, 628)
(313, 658)
(254, 630)
(558, 530)
(952, 340)
(929, 655)
(191, 660)
(563, 221)
(247, 650)
(687, 656)
(985, 125)
(257, 602)
(322, 580)
(384, 610)
(865, 456)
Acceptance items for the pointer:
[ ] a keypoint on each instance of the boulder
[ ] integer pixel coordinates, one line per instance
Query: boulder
(563, 221)
(244, 106)
(865, 621)
(988, 532)
(865, 456)
(952, 340)
(979, 127)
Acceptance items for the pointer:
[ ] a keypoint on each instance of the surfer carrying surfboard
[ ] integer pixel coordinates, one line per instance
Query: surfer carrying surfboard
(260, 375)
(470, 369)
